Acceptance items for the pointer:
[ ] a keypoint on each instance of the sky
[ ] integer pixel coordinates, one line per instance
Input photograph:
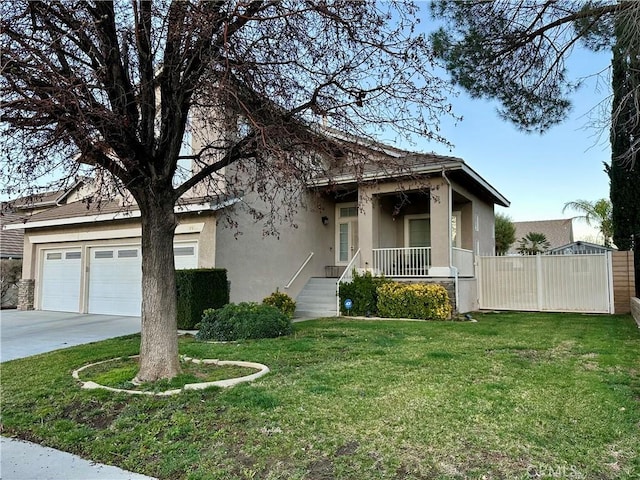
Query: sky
(537, 173)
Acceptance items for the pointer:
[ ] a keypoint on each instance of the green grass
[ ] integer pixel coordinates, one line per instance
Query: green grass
(514, 396)
(119, 373)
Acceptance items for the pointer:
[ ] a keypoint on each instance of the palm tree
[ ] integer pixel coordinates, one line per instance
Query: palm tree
(533, 243)
(597, 214)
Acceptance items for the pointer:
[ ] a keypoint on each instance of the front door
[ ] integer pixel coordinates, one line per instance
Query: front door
(346, 232)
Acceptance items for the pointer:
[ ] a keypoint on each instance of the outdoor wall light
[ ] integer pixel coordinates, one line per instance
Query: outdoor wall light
(325, 220)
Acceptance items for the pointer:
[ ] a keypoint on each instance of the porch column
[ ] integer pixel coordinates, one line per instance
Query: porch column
(440, 204)
(368, 212)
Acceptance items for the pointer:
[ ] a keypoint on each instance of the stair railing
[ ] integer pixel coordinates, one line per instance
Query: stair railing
(346, 276)
(295, 275)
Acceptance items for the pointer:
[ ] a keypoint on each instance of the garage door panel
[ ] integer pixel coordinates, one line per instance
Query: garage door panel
(61, 280)
(185, 255)
(115, 278)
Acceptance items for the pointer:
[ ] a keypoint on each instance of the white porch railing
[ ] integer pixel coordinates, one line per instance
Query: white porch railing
(415, 261)
(295, 275)
(402, 262)
(463, 260)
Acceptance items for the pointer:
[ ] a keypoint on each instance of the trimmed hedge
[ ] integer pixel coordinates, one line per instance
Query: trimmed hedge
(362, 290)
(247, 320)
(198, 290)
(414, 300)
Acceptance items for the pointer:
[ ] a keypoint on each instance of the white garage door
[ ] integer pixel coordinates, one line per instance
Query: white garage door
(61, 280)
(185, 255)
(115, 276)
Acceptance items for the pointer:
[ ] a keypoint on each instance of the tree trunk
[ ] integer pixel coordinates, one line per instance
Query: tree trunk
(159, 343)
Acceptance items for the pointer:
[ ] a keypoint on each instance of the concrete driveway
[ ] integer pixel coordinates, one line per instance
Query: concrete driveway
(23, 334)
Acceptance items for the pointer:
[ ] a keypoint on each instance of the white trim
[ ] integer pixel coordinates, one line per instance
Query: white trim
(111, 234)
(473, 174)
(353, 224)
(105, 217)
(377, 175)
(416, 170)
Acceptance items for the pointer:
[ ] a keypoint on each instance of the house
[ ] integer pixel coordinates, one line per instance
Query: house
(12, 240)
(558, 232)
(412, 217)
(579, 248)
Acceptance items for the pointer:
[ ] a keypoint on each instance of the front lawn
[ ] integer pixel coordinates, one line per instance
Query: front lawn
(515, 396)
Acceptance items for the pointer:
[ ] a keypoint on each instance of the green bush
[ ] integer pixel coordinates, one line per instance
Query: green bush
(198, 290)
(282, 302)
(362, 291)
(414, 300)
(243, 321)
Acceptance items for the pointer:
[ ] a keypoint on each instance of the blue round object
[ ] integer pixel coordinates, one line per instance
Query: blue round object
(348, 303)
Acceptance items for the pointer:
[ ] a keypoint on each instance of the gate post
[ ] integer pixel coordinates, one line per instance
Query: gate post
(539, 283)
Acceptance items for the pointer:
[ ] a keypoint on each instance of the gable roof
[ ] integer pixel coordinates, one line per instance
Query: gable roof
(410, 164)
(389, 162)
(558, 232)
(42, 200)
(580, 247)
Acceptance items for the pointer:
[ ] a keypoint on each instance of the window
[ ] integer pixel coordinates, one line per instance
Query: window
(72, 255)
(417, 231)
(128, 253)
(183, 251)
(54, 256)
(456, 229)
(344, 242)
(104, 254)
(348, 212)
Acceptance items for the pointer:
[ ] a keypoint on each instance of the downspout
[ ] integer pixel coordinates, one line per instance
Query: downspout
(451, 266)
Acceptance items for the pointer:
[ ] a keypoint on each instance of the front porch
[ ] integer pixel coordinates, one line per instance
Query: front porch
(419, 229)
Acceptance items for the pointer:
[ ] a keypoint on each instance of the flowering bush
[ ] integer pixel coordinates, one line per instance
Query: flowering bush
(413, 300)
(282, 302)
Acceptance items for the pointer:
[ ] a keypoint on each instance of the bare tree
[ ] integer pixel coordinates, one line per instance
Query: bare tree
(110, 88)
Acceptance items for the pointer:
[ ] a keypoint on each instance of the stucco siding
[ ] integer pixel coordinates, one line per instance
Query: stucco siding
(481, 226)
(257, 264)
(468, 295)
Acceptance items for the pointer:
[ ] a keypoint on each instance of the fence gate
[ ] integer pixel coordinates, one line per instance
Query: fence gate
(556, 283)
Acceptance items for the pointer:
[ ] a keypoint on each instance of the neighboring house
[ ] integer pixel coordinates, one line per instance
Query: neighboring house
(423, 220)
(18, 210)
(557, 232)
(580, 248)
(12, 241)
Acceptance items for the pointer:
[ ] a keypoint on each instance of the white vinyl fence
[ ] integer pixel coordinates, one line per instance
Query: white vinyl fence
(556, 283)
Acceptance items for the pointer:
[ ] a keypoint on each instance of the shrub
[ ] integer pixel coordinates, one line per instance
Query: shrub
(243, 321)
(198, 290)
(414, 300)
(10, 274)
(362, 290)
(282, 302)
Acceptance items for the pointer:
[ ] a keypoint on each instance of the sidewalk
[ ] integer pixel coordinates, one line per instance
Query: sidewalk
(29, 461)
(26, 333)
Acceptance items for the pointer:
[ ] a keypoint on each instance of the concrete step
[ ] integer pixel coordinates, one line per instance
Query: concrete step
(317, 298)
(314, 314)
